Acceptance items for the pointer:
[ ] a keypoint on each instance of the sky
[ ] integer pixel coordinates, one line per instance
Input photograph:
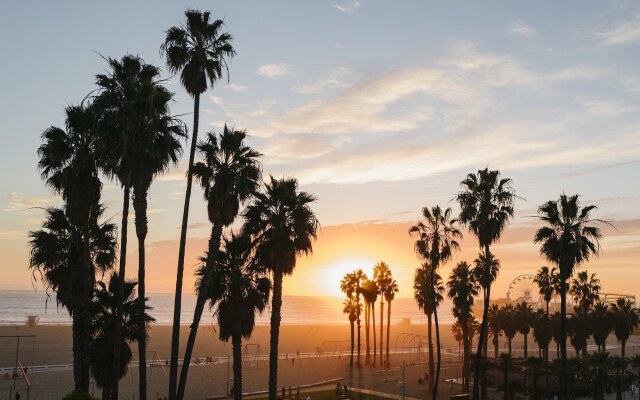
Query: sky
(378, 108)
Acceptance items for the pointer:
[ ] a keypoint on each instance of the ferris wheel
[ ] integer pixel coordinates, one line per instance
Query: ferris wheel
(523, 288)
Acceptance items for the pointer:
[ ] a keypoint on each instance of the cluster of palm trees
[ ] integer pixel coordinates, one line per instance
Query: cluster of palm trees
(124, 130)
(569, 236)
(356, 285)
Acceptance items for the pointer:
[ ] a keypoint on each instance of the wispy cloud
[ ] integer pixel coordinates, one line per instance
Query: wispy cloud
(627, 32)
(336, 79)
(274, 70)
(238, 88)
(520, 28)
(26, 203)
(349, 8)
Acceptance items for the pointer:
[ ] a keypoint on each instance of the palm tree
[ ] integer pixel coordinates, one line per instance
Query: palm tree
(625, 319)
(389, 295)
(69, 162)
(56, 258)
(458, 335)
(140, 141)
(585, 290)
(557, 333)
(542, 335)
(348, 286)
(509, 326)
(349, 308)
(229, 174)
(524, 317)
(579, 330)
(495, 327)
(486, 206)
(359, 277)
(382, 276)
(105, 304)
(567, 239)
(428, 291)
(282, 226)
(200, 52)
(437, 240)
(461, 288)
(602, 323)
(237, 288)
(370, 295)
(545, 280)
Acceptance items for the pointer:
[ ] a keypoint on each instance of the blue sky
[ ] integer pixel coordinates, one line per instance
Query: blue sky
(378, 107)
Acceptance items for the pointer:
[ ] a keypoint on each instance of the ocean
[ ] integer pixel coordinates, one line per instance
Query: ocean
(15, 306)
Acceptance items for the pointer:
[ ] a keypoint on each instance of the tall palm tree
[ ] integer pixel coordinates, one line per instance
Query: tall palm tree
(389, 295)
(486, 206)
(200, 52)
(138, 136)
(230, 175)
(625, 319)
(545, 280)
(348, 286)
(428, 291)
(567, 239)
(382, 276)
(557, 333)
(349, 308)
(56, 258)
(585, 289)
(437, 240)
(458, 335)
(602, 323)
(542, 335)
(524, 317)
(282, 226)
(69, 163)
(370, 295)
(462, 288)
(509, 326)
(237, 289)
(359, 278)
(495, 327)
(105, 308)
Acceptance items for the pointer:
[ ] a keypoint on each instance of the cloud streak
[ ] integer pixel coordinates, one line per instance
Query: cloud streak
(272, 71)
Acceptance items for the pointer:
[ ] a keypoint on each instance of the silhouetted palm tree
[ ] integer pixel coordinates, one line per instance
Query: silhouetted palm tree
(625, 319)
(461, 288)
(105, 306)
(437, 240)
(509, 325)
(495, 327)
(237, 289)
(69, 162)
(359, 278)
(199, 51)
(602, 323)
(579, 330)
(282, 226)
(230, 175)
(486, 206)
(389, 295)
(56, 258)
(524, 317)
(382, 276)
(349, 308)
(428, 291)
(348, 286)
(545, 280)
(585, 290)
(542, 335)
(567, 239)
(370, 295)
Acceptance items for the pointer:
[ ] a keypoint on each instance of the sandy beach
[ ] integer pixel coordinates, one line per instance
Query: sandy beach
(52, 346)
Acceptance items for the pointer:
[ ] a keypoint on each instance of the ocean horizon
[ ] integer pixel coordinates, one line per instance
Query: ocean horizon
(16, 305)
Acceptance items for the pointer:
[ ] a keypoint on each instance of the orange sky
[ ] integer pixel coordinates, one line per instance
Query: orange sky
(341, 248)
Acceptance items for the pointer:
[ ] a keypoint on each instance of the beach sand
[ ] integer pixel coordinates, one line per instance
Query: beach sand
(52, 345)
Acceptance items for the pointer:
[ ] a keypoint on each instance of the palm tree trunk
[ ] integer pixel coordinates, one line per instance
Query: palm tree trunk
(214, 248)
(465, 355)
(483, 328)
(236, 340)
(115, 367)
(140, 207)
(358, 322)
(177, 305)
(367, 312)
(76, 329)
(87, 293)
(381, 329)
(373, 316)
(564, 381)
(510, 346)
(437, 379)
(431, 359)
(623, 344)
(352, 342)
(388, 330)
(496, 344)
(506, 381)
(276, 309)
(526, 349)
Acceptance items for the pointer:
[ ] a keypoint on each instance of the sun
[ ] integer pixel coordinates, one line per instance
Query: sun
(333, 273)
